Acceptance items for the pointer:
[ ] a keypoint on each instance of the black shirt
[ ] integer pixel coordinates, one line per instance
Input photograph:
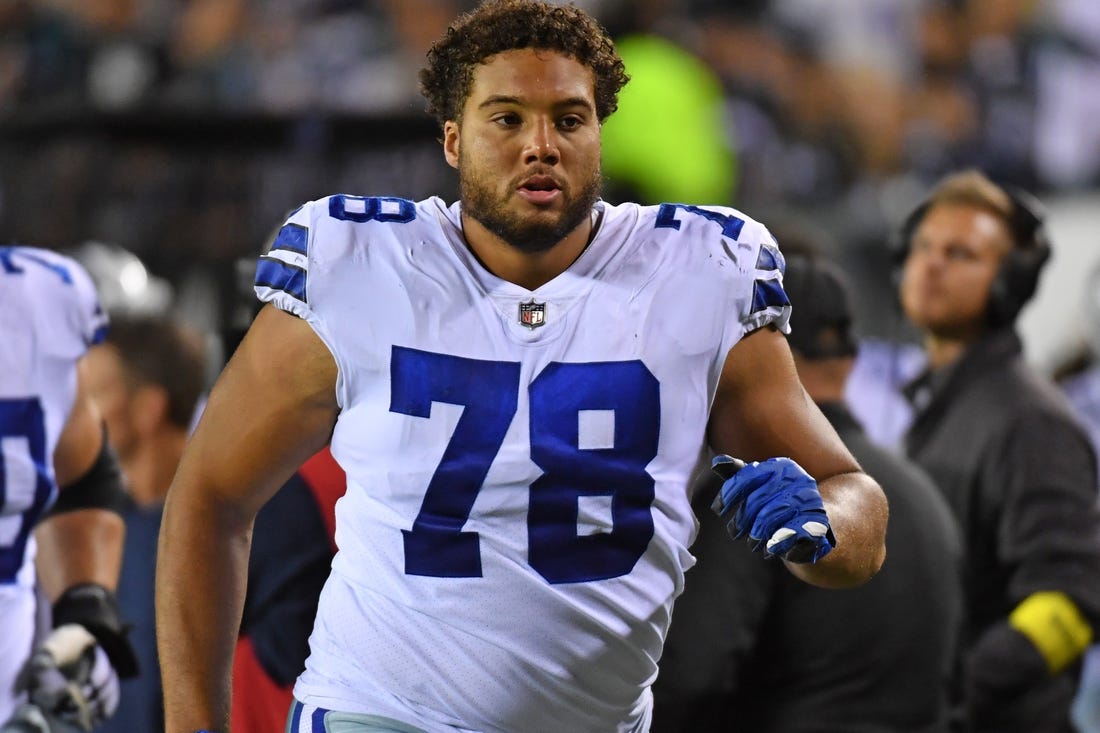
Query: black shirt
(1020, 475)
(751, 648)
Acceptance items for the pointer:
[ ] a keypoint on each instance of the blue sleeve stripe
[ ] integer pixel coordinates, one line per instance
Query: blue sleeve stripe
(767, 294)
(59, 269)
(770, 259)
(99, 335)
(278, 275)
(292, 237)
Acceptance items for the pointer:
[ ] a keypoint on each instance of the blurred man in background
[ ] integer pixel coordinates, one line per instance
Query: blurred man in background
(147, 379)
(878, 658)
(53, 437)
(1002, 444)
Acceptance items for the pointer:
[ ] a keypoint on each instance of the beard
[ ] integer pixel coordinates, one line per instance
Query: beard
(529, 234)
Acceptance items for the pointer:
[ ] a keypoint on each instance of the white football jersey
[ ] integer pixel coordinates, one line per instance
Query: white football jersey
(517, 519)
(49, 316)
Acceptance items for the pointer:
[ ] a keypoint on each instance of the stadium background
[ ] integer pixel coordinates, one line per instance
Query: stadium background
(183, 130)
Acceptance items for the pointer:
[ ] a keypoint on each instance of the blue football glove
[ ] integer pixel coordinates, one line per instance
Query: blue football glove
(777, 504)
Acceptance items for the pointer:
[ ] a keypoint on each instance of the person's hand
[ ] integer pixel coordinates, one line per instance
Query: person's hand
(70, 678)
(777, 504)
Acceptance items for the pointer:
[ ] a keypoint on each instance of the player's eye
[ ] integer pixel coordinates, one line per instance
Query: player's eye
(570, 122)
(506, 119)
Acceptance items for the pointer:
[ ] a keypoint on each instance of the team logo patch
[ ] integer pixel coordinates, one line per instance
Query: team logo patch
(532, 314)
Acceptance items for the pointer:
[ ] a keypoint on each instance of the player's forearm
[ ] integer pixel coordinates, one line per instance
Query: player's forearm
(202, 565)
(857, 512)
(83, 546)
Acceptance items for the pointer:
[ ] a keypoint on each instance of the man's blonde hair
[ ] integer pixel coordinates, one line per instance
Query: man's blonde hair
(972, 188)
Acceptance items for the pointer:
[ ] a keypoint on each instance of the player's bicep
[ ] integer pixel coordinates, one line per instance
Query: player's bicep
(761, 410)
(273, 406)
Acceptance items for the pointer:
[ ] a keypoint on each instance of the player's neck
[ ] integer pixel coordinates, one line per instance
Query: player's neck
(529, 270)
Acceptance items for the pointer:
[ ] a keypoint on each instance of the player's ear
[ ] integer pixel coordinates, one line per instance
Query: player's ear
(450, 142)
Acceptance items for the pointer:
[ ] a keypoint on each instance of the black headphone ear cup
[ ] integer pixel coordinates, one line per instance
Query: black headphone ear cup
(897, 271)
(904, 238)
(1016, 282)
(900, 248)
(1002, 307)
(1018, 277)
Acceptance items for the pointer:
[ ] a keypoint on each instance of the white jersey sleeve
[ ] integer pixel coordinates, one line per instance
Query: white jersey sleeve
(282, 272)
(517, 519)
(61, 294)
(747, 253)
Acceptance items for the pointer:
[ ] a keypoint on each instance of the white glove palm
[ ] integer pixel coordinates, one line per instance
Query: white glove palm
(69, 677)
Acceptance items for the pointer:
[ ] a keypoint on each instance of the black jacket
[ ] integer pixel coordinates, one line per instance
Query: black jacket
(1020, 476)
(753, 649)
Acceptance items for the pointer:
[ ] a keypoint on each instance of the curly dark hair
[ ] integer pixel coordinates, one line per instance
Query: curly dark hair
(504, 25)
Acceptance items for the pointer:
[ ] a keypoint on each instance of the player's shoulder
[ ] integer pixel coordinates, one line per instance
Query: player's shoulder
(377, 213)
(694, 235)
(332, 235)
(693, 223)
(56, 286)
(327, 228)
(47, 268)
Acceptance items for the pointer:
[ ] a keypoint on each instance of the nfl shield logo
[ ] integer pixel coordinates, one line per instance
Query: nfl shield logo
(532, 314)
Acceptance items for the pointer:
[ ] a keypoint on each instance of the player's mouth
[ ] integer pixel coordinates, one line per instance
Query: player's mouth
(540, 190)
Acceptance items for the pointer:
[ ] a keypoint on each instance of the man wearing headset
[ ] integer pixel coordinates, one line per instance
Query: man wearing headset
(1002, 445)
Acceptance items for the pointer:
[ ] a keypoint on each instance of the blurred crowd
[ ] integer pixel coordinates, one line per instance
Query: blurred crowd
(284, 55)
(184, 129)
(839, 91)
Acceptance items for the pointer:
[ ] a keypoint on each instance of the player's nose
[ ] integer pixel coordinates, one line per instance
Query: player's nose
(542, 143)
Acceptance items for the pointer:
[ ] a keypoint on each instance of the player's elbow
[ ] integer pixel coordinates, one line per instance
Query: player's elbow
(858, 512)
(851, 570)
(864, 566)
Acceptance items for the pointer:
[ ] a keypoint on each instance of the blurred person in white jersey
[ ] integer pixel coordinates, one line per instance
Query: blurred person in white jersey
(519, 386)
(60, 497)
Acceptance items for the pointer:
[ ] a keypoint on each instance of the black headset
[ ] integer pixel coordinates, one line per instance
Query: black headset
(1018, 276)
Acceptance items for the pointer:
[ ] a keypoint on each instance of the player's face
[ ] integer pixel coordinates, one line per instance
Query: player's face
(953, 259)
(528, 147)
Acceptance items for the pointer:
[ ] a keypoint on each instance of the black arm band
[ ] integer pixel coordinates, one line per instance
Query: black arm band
(96, 609)
(101, 486)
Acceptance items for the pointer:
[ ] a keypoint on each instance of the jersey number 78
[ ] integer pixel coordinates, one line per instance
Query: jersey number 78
(488, 390)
